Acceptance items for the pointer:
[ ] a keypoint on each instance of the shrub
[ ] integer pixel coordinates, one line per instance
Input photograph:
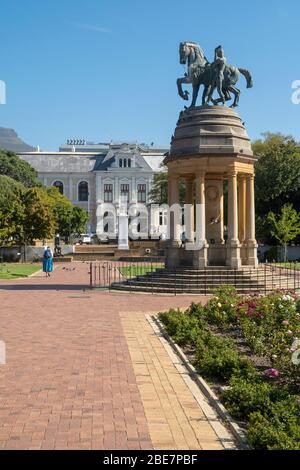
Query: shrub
(197, 311)
(263, 435)
(215, 357)
(245, 397)
(188, 330)
(278, 428)
(222, 309)
(171, 320)
(184, 329)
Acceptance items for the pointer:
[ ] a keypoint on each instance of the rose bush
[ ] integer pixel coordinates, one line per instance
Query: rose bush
(265, 397)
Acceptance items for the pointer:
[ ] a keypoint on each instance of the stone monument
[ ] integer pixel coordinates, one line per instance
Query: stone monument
(211, 151)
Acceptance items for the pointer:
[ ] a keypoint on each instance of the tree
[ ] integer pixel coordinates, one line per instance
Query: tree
(11, 165)
(39, 219)
(286, 226)
(70, 219)
(79, 220)
(159, 191)
(11, 209)
(277, 172)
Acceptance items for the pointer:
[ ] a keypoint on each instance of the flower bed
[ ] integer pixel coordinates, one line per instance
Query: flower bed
(248, 348)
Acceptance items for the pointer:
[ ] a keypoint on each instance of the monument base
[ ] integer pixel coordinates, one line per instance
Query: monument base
(251, 251)
(200, 258)
(173, 255)
(234, 256)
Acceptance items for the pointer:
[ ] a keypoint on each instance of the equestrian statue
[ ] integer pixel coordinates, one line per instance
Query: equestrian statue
(216, 76)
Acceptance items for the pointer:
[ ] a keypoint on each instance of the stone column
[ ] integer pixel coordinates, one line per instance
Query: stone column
(70, 188)
(242, 209)
(116, 191)
(133, 190)
(98, 188)
(200, 255)
(174, 239)
(250, 223)
(173, 201)
(233, 244)
(189, 210)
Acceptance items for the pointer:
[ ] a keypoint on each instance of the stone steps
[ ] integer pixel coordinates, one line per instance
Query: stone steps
(203, 281)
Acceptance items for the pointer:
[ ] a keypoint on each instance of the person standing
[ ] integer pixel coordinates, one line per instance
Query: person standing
(48, 261)
(218, 69)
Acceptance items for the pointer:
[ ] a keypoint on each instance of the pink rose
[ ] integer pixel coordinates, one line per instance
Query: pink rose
(271, 373)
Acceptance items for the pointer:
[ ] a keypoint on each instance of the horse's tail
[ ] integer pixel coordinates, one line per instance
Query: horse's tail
(248, 77)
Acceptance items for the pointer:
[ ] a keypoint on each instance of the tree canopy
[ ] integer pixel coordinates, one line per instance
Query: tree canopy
(277, 172)
(286, 226)
(159, 190)
(11, 165)
(11, 208)
(27, 214)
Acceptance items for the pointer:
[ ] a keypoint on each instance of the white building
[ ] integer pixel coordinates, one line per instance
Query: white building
(93, 174)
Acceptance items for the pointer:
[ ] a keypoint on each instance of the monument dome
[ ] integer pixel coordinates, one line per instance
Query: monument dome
(207, 130)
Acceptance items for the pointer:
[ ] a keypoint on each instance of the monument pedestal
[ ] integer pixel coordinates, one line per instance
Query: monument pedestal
(234, 256)
(173, 251)
(200, 258)
(251, 251)
(210, 146)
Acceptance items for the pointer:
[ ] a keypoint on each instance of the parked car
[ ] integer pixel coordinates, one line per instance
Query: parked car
(87, 239)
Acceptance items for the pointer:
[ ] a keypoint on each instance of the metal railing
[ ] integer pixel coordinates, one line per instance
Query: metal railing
(153, 277)
(106, 274)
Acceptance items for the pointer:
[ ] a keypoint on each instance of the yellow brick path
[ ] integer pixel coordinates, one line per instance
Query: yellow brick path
(177, 413)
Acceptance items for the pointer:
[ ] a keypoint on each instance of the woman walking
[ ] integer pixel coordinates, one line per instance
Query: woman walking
(48, 261)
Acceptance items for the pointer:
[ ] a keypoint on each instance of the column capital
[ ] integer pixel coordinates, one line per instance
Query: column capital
(174, 176)
(200, 174)
(189, 178)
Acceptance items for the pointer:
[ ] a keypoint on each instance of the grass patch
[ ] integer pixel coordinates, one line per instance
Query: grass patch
(139, 270)
(16, 270)
(289, 265)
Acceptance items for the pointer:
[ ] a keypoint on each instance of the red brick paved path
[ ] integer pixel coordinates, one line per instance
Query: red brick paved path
(69, 381)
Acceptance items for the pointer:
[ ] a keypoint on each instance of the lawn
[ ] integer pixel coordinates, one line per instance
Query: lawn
(16, 270)
(139, 270)
(289, 265)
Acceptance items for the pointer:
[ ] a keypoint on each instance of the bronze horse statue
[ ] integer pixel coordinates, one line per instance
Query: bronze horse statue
(217, 75)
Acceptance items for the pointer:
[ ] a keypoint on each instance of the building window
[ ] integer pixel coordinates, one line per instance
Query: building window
(120, 163)
(125, 163)
(129, 163)
(60, 186)
(108, 192)
(141, 196)
(163, 218)
(125, 191)
(83, 191)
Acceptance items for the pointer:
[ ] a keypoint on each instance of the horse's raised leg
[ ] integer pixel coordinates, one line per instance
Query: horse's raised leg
(183, 94)
(236, 93)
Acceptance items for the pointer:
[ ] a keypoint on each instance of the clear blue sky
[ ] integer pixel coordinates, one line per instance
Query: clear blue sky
(107, 69)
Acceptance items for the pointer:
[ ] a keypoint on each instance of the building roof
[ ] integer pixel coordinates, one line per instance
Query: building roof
(58, 162)
(73, 162)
